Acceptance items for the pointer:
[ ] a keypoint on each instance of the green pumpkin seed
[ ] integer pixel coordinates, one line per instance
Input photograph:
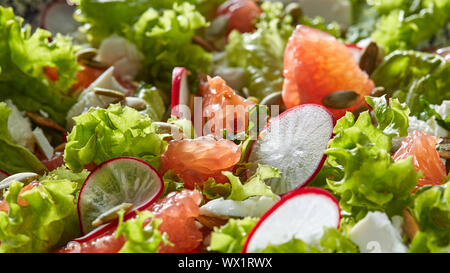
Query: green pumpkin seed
(119, 96)
(274, 99)
(218, 27)
(25, 178)
(111, 214)
(443, 150)
(86, 54)
(294, 10)
(136, 103)
(369, 57)
(340, 99)
(378, 91)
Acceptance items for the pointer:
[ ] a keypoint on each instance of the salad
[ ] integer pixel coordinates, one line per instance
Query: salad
(225, 126)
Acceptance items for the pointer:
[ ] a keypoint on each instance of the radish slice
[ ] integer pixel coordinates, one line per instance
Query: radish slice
(294, 142)
(58, 18)
(180, 93)
(116, 181)
(301, 214)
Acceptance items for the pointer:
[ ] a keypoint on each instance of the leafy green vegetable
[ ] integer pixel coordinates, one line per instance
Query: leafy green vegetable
(63, 172)
(411, 76)
(230, 238)
(431, 113)
(431, 208)
(49, 220)
(102, 134)
(158, 28)
(155, 104)
(371, 180)
(23, 60)
(332, 241)
(185, 126)
(15, 158)
(172, 182)
(401, 24)
(255, 185)
(213, 190)
(392, 118)
(140, 238)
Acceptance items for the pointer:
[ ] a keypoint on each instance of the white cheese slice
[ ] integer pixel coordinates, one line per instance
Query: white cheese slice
(376, 234)
(254, 206)
(43, 143)
(123, 55)
(19, 127)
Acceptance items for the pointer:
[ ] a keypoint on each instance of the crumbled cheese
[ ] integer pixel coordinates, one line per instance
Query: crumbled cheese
(376, 234)
(19, 127)
(43, 143)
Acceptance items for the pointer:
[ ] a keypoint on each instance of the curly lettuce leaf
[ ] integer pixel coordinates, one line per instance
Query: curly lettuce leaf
(255, 186)
(140, 236)
(411, 76)
(230, 238)
(370, 179)
(15, 158)
(23, 60)
(402, 24)
(62, 173)
(172, 182)
(431, 208)
(155, 103)
(392, 118)
(49, 220)
(430, 112)
(102, 134)
(212, 190)
(332, 241)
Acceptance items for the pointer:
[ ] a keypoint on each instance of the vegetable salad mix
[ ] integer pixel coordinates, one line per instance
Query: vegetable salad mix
(225, 126)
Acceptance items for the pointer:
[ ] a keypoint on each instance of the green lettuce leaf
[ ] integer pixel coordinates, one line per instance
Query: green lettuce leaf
(411, 76)
(332, 241)
(230, 238)
(212, 190)
(102, 134)
(62, 173)
(392, 118)
(431, 208)
(15, 158)
(172, 182)
(49, 221)
(23, 59)
(158, 28)
(370, 179)
(401, 24)
(431, 113)
(255, 185)
(155, 104)
(140, 236)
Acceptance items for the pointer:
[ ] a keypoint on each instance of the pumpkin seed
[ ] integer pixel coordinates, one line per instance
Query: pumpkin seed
(218, 27)
(211, 221)
(378, 91)
(359, 110)
(203, 43)
(294, 10)
(119, 96)
(410, 224)
(274, 99)
(170, 131)
(45, 122)
(136, 103)
(86, 54)
(443, 148)
(25, 178)
(341, 99)
(111, 214)
(369, 57)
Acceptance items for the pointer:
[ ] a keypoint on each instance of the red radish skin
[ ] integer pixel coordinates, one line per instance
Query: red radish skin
(3, 173)
(284, 199)
(52, 5)
(178, 92)
(130, 214)
(324, 157)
